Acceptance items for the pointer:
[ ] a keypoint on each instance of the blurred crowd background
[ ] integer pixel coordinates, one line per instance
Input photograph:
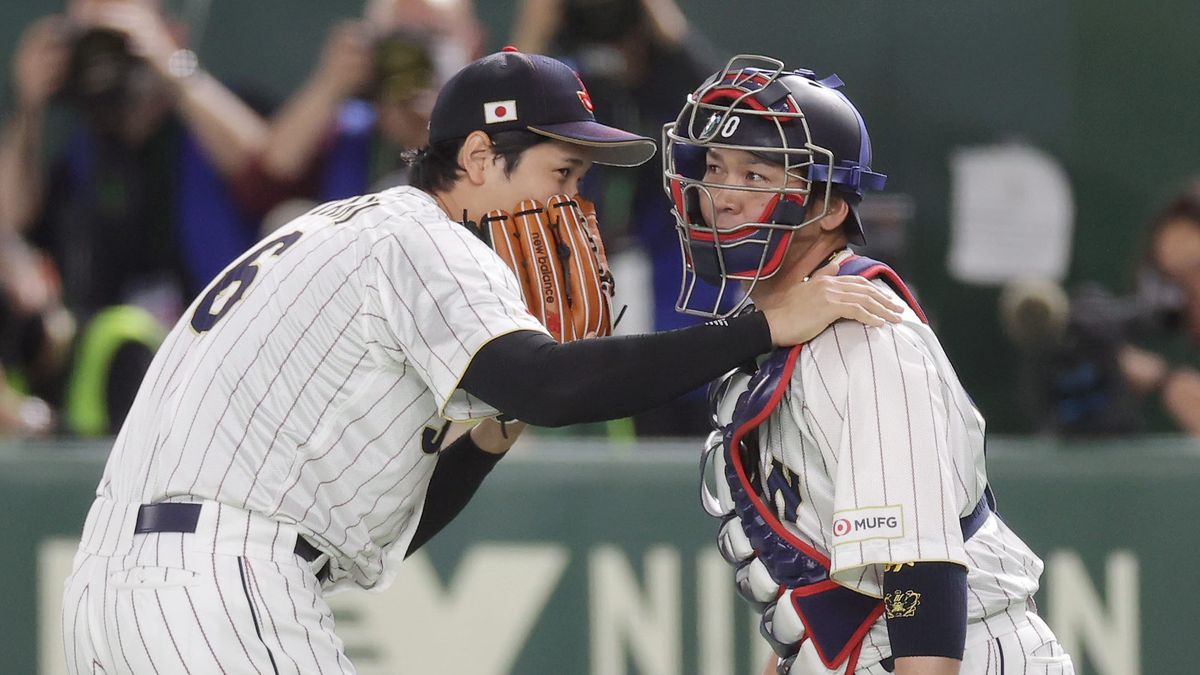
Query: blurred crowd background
(1043, 160)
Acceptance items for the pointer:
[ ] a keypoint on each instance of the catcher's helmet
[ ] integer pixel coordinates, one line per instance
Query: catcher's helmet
(788, 118)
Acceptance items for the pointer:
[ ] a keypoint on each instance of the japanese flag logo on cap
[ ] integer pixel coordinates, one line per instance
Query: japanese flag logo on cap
(500, 111)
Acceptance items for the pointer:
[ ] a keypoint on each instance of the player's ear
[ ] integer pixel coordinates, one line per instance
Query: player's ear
(475, 155)
(835, 215)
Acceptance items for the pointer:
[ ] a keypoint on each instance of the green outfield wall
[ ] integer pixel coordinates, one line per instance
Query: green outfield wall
(595, 560)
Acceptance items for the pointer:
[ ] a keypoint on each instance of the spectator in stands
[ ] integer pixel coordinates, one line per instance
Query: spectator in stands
(133, 208)
(135, 204)
(639, 60)
(35, 337)
(1166, 368)
(52, 379)
(367, 103)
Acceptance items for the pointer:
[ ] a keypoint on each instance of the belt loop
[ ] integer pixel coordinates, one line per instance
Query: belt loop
(310, 554)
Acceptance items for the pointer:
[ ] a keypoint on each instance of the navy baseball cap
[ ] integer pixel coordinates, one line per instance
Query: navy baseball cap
(511, 90)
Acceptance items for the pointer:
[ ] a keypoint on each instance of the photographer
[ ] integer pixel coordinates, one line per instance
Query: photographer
(1095, 363)
(367, 103)
(134, 205)
(1166, 367)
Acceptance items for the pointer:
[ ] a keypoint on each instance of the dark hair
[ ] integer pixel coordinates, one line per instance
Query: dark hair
(435, 167)
(818, 188)
(1184, 206)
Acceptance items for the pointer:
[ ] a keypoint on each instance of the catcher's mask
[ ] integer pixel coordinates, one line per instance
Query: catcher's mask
(787, 118)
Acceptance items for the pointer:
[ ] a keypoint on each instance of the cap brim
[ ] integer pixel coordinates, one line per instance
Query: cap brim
(609, 145)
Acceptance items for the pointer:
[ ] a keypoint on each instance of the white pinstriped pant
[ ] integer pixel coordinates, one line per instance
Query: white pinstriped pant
(1030, 650)
(230, 598)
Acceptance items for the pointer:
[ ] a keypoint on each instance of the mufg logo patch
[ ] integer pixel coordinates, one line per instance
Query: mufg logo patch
(876, 522)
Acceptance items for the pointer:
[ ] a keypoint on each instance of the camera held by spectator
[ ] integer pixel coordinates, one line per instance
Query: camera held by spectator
(1094, 357)
(118, 61)
(103, 76)
(402, 67)
(1072, 347)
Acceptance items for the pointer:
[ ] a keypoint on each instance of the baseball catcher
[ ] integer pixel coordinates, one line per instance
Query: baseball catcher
(850, 474)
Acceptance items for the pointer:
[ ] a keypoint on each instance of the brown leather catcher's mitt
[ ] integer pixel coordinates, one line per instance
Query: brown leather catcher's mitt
(556, 253)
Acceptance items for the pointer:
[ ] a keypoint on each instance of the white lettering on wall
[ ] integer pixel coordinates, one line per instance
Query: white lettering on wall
(1108, 635)
(715, 612)
(638, 620)
(484, 614)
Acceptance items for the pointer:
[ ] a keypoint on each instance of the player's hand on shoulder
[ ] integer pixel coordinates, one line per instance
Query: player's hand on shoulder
(810, 307)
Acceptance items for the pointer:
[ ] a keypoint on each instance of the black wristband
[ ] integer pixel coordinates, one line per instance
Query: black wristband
(460, 470)
(925, 606)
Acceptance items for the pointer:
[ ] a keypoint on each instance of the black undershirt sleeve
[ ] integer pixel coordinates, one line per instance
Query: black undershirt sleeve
(460, 469)
(528, 376)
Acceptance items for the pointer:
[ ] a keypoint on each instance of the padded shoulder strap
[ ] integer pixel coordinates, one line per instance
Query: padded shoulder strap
(870, 269)
(765, 390)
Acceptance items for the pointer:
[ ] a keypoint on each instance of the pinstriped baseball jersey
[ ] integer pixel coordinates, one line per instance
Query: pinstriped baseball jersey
(310, 380)
(874, 454)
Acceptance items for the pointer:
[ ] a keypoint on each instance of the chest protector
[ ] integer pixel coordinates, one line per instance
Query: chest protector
(783, 577)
